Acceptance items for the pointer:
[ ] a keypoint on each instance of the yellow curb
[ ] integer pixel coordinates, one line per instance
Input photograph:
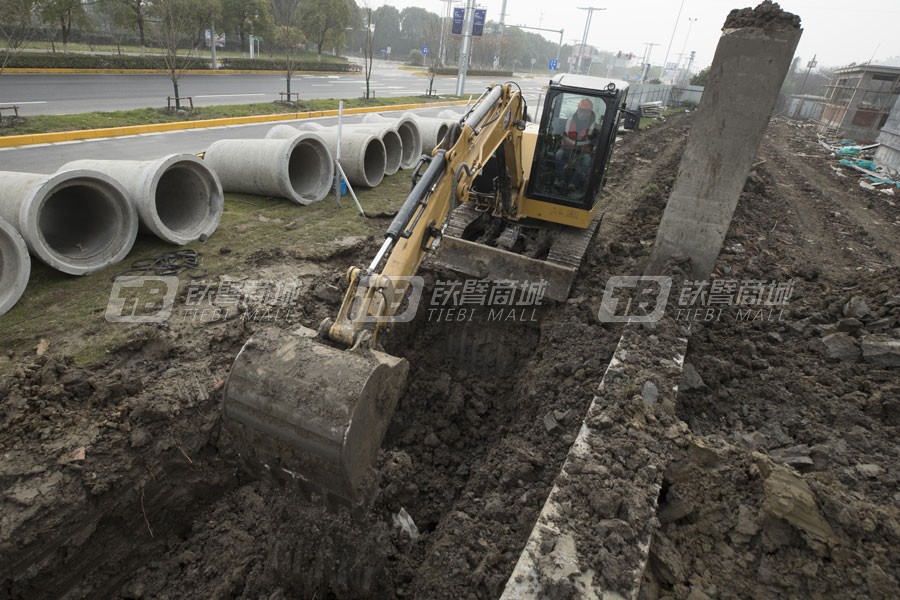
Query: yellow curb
(12, 141)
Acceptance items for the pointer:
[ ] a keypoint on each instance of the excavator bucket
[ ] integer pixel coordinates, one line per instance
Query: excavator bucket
(302, 410)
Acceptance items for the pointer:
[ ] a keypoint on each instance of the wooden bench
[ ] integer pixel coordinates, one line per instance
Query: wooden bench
(170, 100)
(11, 107)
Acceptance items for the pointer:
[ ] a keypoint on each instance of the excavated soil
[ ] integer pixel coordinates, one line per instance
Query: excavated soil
(118, 481)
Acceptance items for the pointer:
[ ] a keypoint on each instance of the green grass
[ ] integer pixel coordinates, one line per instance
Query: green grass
(146, 116)
(70, 311)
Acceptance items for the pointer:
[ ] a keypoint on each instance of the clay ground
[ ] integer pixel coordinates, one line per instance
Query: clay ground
(118, 481)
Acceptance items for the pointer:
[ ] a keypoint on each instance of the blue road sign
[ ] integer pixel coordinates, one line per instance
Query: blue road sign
(425, 50)
(553, 65)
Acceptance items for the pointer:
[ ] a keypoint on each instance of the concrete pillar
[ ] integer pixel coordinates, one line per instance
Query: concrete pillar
(15, 266)
(751, 61)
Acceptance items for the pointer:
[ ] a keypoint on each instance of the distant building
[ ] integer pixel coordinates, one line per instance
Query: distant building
(858, 102)
(888, 154)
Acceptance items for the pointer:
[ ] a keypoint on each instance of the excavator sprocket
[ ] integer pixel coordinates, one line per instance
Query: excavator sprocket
(308, 412)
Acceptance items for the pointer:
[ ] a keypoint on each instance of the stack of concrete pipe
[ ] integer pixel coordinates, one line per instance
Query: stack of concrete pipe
(177, 197)
(393, 145)
(76, 221)
(409, 135)
(299, 168)
(432, 129)
(363, 154)
(15, 266)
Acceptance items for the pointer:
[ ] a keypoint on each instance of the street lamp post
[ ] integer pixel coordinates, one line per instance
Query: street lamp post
(691, 21)
(587, 27)
(671, 39)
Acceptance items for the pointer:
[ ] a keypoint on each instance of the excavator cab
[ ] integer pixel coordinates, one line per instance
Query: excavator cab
(574, 143)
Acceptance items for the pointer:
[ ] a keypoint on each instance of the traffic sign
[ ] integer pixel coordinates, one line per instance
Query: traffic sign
(425, 50)
(553, 65)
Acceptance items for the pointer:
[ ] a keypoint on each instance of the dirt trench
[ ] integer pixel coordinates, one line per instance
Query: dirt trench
(114, 485)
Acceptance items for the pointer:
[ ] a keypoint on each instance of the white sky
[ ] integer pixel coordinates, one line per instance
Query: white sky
(837, 31)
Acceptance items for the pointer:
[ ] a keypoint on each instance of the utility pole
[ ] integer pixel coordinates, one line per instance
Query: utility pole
(212, 40)
(691, 21)
(587, 27)
(500, 35)
(558, 47)
(442, 53)
(645, 65)
(466, 46)
(671, 39)
(809, 67)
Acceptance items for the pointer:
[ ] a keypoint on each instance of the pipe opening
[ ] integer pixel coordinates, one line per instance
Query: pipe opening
(408, 139)
(308, 166)
(80, 221)
(182, 199)
(393, 147)
(374, 161)
(441, 132)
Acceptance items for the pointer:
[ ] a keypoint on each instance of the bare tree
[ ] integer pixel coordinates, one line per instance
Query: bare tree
(15, 28)
(178, 22)
(369, 49)
(286, 14)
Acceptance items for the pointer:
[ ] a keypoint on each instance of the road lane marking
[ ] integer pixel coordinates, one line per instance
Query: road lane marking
(226, 95)
(17, 102)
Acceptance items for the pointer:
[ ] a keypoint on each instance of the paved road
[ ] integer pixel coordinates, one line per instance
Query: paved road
(41, 94)
(47, 158)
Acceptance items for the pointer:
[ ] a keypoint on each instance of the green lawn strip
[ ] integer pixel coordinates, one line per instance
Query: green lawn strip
(147, 116)
(61, 307)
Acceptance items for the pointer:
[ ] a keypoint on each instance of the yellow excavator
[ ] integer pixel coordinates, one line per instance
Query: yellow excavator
(499, 198)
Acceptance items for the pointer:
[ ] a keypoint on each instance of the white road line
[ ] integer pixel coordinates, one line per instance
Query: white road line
(17, 102)
(226, 95)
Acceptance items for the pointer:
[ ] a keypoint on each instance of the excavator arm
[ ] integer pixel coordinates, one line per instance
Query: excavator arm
(312, 407)
(495, 120)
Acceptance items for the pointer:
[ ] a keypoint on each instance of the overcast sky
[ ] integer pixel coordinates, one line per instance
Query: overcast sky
(837, 31)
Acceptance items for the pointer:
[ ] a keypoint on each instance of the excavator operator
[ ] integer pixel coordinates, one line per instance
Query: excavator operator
(577, 146)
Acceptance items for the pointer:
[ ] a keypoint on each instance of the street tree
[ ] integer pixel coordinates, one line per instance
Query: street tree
(246, 18)
(64, 13)
(177, 23)
(369, 49)
(15, 28)
(324, 22)
(287, 16)
(388, 31)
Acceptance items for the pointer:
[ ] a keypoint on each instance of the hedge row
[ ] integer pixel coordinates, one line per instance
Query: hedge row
(58, 60)
(473, 72)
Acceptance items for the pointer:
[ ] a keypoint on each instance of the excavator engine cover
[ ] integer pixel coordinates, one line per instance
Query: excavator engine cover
(303, 410)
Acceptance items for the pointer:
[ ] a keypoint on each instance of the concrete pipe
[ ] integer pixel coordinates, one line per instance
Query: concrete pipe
(177, 197)
(431, 129)
(390, 137)
(300, 169)
(76, 221)
(363, 157)
(15, 266)
(409, 136)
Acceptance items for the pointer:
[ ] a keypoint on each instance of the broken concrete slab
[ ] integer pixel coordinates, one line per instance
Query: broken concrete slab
(880, 350)
(842, 347)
